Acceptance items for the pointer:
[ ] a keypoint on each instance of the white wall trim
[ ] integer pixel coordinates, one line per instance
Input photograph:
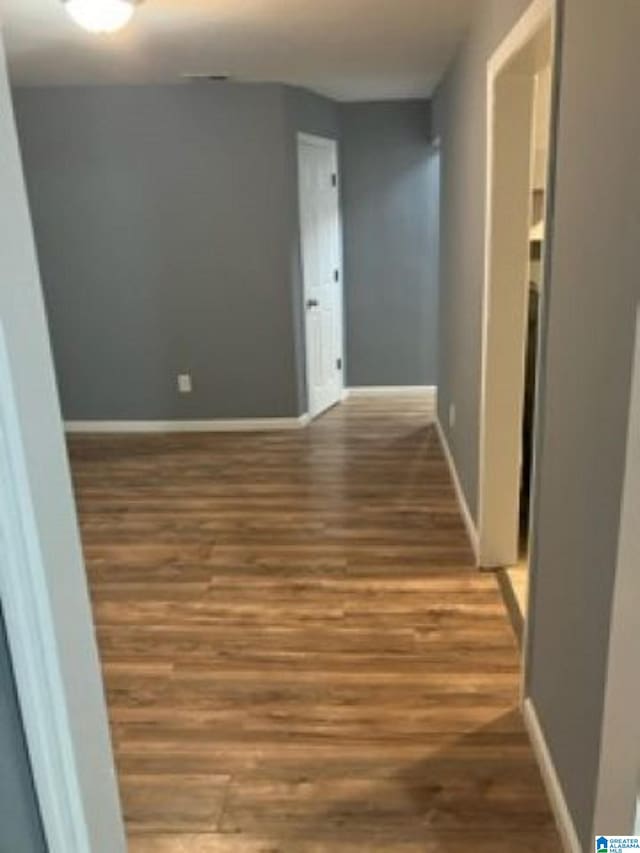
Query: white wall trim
(531, 21)
(238, 425)
(469, 523)
(536, 16)
(43, 584)
(392, 391)
(566, 828)
(319, 141)
(32, 640)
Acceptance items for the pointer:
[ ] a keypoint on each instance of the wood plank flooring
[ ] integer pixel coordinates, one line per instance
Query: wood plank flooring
(298, 654)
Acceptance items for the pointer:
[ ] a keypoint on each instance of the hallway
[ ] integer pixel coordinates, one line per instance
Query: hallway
(299, 655)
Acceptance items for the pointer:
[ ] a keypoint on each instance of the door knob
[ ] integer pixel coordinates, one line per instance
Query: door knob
(313, 303)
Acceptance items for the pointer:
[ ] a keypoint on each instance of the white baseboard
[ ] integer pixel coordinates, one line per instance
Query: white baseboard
(239, 425)
(566, 828)
(430, 391)
(462, 500)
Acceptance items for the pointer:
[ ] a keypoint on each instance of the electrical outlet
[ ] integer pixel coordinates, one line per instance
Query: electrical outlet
(184, 383)
(452, 416)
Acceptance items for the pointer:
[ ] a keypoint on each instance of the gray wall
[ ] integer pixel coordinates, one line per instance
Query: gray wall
(311, 113)
(589, 315)
(20, 825)
(617, 807)
(167, 225)
(390, 195)
(460, 120)
(162, 223)
(594, 291)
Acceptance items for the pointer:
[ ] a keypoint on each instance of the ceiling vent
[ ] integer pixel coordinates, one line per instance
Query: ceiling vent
(197, 77)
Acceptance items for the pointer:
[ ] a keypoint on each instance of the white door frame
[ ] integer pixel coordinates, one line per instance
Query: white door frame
(43, 583)
(332, 146)
(33, 643)
(505, 299)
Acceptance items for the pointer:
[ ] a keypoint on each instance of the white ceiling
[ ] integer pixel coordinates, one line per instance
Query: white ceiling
(347, 49)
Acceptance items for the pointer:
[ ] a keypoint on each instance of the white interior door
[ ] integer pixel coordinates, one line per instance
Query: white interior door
(322, 270)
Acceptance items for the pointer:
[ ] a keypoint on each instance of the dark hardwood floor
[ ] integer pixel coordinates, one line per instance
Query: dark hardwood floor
(298, 654)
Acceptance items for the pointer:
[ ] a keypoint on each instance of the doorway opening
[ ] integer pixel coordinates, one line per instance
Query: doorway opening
(321, 254)
(519, 132)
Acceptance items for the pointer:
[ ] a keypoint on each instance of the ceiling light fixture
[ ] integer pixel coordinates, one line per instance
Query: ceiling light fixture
(101, 16)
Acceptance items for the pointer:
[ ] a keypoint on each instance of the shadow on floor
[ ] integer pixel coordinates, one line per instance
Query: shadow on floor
(481, 792)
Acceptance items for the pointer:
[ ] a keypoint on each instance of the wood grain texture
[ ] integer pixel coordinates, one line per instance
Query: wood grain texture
(298, 654)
